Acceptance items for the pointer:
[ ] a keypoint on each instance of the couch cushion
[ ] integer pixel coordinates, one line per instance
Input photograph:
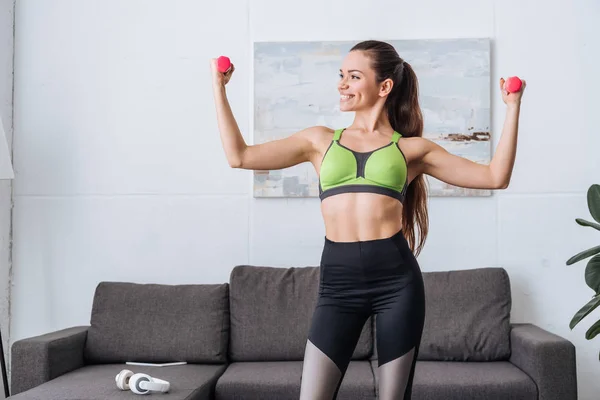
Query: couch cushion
(495, 380)
(280, 380)
(157, 323)
(271, 311)
(97, 382)
(467, 315)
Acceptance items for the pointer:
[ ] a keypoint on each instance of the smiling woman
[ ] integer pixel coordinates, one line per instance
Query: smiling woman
(373, 200)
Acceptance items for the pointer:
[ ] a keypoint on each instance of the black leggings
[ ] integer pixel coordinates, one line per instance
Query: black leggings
(360, 279)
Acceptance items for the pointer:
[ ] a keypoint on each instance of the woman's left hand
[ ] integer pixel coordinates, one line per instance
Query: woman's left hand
(512, 98)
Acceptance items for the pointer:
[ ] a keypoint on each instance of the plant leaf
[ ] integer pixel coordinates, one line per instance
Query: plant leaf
(593, 331)
(593, 198)
(592, 273)
(585, 310)
(583, 254)
(583, 222)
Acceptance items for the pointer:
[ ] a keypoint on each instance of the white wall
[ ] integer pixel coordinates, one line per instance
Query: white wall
(121, 174)
(6, 110)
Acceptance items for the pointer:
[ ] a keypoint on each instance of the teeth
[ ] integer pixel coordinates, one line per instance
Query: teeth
(346, 97)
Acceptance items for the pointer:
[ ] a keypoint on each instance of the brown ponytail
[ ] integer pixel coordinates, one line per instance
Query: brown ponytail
(404, 114)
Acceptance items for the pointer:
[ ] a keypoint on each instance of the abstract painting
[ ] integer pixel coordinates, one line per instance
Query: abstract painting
(295, 87)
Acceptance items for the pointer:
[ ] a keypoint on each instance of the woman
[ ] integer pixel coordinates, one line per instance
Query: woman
(372, 192)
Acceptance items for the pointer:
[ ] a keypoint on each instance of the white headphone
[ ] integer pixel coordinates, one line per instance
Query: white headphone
(140, 383)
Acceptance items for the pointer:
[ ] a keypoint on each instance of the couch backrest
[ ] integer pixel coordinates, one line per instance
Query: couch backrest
(467, 315)
(271, 310)
(158, 323)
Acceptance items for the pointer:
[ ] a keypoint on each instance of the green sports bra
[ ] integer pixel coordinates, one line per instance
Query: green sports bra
(383, 170)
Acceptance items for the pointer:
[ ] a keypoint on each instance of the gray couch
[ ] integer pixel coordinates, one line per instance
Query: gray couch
(245, 339)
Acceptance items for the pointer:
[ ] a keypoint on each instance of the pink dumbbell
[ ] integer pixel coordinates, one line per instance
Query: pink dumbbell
(223, 64)
(513, 84)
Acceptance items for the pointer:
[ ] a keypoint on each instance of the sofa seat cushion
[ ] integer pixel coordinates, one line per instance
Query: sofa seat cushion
(271, 312)
(467, 316)
(280, 380)
(97, 382)
(158, 323)
(450, 380)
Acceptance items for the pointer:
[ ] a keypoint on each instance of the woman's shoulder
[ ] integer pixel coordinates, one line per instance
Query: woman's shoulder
(417, 142)
(319, 130)
(317, 133)
(415, 147)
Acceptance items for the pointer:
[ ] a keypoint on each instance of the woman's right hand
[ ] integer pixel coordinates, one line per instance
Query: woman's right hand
(220, 79)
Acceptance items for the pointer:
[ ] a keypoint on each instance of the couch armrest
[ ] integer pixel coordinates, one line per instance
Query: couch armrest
(38, 359)
(547, 358)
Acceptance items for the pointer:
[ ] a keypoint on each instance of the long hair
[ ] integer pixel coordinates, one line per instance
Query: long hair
(404, 114)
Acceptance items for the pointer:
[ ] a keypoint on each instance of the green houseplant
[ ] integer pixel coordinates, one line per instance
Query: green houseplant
(592, 270)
